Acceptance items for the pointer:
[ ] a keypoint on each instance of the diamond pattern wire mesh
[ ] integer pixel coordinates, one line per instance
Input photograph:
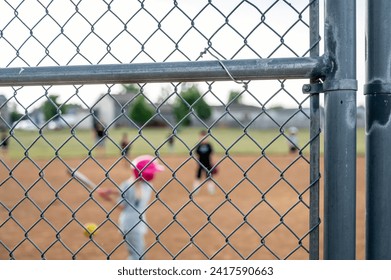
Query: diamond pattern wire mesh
(260, 208)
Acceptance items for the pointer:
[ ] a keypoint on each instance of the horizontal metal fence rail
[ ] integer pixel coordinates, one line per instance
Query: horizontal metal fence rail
(195, 71)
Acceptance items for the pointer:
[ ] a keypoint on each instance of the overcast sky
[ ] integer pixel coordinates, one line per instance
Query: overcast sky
(65, 37)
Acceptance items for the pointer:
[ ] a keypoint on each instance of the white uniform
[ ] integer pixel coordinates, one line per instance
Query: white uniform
(132, 220)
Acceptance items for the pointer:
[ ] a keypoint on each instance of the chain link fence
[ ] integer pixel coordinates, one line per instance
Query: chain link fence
(192, 72)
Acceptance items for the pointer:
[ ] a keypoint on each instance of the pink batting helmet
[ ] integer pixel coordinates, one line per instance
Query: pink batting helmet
(145, 167)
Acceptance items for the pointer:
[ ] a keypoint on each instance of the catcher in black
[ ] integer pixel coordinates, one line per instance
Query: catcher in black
(204, 151)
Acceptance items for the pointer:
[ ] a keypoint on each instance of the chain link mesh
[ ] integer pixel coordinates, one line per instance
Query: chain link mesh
(260, 207)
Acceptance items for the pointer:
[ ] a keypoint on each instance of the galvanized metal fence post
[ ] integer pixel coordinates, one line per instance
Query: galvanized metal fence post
(315, 140)
(340, 130)
(378, 130)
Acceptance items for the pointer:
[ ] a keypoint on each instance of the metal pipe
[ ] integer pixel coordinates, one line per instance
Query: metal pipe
(340, 131)
(249, 69)
(378, 130)
(315, 140)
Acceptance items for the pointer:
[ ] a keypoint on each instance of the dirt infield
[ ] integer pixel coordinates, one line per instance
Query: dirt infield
(256, 213)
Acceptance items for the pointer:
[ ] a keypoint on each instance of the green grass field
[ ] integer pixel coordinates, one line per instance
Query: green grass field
(81, 143)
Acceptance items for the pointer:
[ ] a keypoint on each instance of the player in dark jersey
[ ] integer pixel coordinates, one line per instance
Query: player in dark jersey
(204, 152)
(125, 146)
(4, 144)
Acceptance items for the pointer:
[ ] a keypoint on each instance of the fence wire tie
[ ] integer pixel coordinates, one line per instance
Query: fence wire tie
(241, 82)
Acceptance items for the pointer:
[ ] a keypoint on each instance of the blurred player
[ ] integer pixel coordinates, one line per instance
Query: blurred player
(293, 142)
(125, 147)
(100, 134)
(133, 201)
(4, 144)
(204, 151)
(170, 142)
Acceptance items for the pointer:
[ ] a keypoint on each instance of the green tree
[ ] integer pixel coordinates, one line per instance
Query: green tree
(141, 111)
(131, 88)
(51, 108)
(191, 99)
(15, 116)
(235, 97)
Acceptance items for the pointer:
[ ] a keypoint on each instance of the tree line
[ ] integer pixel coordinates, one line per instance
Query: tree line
(188, 102)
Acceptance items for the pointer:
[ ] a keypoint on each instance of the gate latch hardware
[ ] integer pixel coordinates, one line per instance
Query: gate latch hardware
(330, 85)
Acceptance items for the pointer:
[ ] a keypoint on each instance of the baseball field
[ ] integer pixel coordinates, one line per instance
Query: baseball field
(259, 211)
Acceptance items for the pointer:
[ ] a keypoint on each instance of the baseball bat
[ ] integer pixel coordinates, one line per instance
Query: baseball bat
(83, 179)
(104, 193)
